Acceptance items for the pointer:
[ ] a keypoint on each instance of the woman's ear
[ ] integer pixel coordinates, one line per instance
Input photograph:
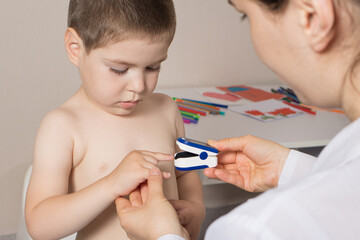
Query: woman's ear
(317, 20)
(73, 45)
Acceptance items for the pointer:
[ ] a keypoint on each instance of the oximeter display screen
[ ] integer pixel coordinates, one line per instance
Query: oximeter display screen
(197, 142)
(196, 145)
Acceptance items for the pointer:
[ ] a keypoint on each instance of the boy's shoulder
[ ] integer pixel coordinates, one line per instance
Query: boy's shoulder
(62, 117)
(163, 101)
(163, 105)
(162, 97)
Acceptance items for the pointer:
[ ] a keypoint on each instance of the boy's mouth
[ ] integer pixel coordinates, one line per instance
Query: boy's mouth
(128, 104)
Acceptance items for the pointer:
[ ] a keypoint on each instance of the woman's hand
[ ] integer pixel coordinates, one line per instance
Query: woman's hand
(248, 162)
(148, 214)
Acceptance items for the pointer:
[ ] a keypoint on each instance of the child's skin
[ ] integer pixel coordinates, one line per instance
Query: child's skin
(87, 146)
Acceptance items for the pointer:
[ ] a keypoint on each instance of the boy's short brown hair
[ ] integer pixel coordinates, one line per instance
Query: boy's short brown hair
(101, 22)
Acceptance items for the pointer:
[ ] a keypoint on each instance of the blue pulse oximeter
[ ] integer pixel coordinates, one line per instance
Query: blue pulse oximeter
(197, 155)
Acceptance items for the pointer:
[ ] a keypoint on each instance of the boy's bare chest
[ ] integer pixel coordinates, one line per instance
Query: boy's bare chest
(100, 146)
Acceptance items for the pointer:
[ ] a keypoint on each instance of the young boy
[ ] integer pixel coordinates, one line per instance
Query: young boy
(102, 142)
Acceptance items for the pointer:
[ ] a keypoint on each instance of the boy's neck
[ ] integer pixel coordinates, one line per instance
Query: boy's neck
(86, 102)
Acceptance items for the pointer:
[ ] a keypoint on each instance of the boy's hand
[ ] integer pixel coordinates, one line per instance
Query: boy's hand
(191, 216)
(134, 169)
(248, 162)
(152, 214)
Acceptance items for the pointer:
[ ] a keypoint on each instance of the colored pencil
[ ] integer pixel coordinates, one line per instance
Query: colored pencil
(300, 108)
(187, 121)
(290, 92)
(197, 104)
(201, 104)
(211, 110)
(288, 95)
(323, 109)
(194, 108)
(187, 109)
(191, 115)
(191, 120)
(206, 103)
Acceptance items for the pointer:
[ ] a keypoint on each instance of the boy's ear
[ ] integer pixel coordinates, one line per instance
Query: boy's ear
(317, 20)
(73, 45)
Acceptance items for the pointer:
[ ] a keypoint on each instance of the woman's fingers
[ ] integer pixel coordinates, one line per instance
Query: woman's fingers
(210, 172)
(122, 204)
(144, 192)
(229, 169)
(155, 184)
(232, 144)
(227, 157)
(227, 176)
(231, 176)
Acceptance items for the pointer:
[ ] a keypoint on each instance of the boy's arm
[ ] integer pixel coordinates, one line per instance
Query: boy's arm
(190, 206)
(52, 213)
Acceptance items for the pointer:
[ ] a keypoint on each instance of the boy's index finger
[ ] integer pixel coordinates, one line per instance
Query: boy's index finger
(160, 156)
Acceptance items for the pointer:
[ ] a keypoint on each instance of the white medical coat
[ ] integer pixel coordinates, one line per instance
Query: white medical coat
(316, 198)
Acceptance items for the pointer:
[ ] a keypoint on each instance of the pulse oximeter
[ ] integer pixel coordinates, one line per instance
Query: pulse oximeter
(196, 155)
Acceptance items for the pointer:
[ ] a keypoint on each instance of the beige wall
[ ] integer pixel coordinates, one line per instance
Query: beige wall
(211, 47)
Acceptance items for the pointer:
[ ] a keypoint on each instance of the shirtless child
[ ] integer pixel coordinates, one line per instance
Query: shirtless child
(102, 142)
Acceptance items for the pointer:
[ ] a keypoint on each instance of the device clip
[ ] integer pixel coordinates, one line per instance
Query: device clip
(196, 155)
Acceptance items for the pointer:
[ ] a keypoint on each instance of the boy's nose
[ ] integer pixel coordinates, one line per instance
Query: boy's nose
(137, 84)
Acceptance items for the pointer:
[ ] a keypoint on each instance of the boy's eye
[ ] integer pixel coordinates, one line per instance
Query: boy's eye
(153, 69)
(119, 71)
(124, 71)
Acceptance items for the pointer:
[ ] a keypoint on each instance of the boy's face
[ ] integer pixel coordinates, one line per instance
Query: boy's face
(119, 76)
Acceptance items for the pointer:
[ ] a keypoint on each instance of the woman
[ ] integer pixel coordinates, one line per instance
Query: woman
(313, 46)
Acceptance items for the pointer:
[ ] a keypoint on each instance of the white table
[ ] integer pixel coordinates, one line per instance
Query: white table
(298, 132)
